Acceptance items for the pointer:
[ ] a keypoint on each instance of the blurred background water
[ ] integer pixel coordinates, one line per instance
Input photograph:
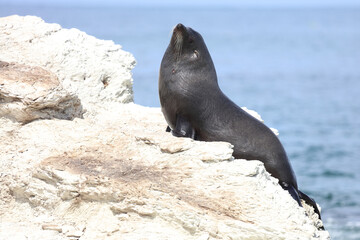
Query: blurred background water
(299, 67)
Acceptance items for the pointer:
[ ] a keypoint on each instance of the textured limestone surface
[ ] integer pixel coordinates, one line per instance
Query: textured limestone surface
(30, 93)
(97, 71)
(119, 175)
(114, 172)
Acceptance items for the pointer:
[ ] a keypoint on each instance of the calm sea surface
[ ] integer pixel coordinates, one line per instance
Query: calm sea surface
(299, 68)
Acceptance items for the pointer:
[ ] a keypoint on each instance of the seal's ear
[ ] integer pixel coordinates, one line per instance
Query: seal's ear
(183, 128)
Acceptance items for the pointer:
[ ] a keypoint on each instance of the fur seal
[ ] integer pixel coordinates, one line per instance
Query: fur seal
(194, 106)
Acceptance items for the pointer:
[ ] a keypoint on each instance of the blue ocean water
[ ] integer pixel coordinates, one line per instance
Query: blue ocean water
(298, 68)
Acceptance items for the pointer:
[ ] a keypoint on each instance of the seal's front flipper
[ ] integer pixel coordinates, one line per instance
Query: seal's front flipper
(183, 128)
(290, 188)
(310, 201)
(168, 129)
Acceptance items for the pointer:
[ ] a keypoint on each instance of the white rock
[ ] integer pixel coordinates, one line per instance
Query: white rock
(258, 117)
(253, 113)
(116, 172)
(275, 131)
(52, 227)
(115, 175)
(31, 93)
(95, 70)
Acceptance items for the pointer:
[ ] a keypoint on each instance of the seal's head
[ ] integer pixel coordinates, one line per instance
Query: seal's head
(186, 56)
(188, 45)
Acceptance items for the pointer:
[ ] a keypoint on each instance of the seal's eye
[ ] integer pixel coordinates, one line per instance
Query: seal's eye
(191, 40)
(196, 53)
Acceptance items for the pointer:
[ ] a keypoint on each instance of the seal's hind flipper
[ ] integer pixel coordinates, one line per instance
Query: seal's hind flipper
(293, 192)
(297, 195)
(183, 128)
(310, 201)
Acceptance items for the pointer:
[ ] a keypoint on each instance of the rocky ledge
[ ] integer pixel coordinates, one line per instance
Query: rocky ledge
(78, 161)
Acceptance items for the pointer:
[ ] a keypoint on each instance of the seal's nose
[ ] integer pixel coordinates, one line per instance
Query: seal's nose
(179, 26)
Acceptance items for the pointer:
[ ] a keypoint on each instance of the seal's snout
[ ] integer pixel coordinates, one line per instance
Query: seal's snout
(179, 26)
(179, 38)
